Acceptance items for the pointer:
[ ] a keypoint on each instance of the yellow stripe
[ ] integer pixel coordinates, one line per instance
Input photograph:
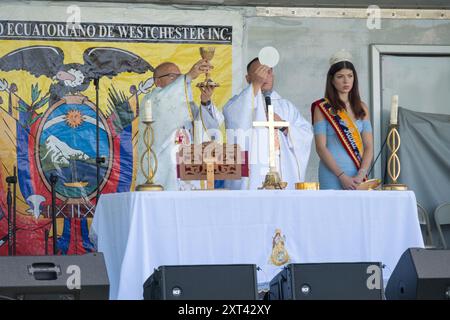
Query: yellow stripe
(353, 129)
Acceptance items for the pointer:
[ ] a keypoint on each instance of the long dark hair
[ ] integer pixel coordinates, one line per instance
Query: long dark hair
(354, 98)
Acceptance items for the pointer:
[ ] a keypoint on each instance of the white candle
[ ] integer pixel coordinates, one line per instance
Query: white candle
(147, 112)
(394, 109)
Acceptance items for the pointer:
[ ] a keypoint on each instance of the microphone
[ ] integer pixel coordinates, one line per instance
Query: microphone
(266, 95)
(11, 179)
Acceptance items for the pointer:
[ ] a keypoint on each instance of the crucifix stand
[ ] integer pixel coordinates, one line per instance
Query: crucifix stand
(210, 161)
(273, 180)
(210, 173)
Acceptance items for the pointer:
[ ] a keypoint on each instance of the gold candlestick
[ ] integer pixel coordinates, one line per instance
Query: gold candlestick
(207, 53)
(149, 137)
(394, 167)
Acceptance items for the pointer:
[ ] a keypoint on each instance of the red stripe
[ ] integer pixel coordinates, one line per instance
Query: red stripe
(73, 237)
(113, 180)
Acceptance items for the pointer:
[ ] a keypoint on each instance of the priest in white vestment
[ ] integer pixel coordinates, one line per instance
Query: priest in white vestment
(292, 144)
(178, 120)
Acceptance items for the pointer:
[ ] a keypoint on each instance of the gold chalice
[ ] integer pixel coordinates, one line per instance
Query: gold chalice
(207, 53)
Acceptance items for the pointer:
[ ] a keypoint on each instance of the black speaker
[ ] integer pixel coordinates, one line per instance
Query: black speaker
(328, 281)
(420, 274)
(202, 282)
(81, 277)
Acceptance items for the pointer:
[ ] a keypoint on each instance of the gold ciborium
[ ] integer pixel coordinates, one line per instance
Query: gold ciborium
(207, 53)
(307, 186)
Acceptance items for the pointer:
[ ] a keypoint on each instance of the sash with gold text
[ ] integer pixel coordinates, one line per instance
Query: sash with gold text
(345, 129)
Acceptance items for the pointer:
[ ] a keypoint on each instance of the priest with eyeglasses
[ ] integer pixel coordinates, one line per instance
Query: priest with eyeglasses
(178, 120)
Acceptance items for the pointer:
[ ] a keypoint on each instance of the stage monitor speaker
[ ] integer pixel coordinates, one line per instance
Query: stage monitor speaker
(328, 281)
(81, 277)
(420, 274)
(202, 282)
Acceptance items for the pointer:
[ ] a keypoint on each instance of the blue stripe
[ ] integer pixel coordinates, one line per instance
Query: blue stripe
(23, 162)
(64, 241)
(126, 160)
(87, 244)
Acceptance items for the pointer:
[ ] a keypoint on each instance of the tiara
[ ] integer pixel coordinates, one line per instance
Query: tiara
(341, 55)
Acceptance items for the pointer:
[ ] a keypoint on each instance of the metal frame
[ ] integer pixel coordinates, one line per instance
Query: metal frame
(424, 220)
(445, 221)
(403, 4)
(353, 13)
(376, 53)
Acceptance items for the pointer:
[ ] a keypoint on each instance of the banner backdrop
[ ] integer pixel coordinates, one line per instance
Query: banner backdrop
(53, 75)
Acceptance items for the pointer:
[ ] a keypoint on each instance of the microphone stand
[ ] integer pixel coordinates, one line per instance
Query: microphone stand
(379, 154)
(46, 242)
(98, 160)
(53, 181)
(11, 203)
(10, 228)
(14, 209)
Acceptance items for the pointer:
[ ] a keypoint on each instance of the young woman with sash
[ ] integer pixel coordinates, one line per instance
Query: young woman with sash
(342, 129)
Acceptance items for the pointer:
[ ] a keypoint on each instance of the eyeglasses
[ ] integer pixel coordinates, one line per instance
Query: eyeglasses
(170, 75)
